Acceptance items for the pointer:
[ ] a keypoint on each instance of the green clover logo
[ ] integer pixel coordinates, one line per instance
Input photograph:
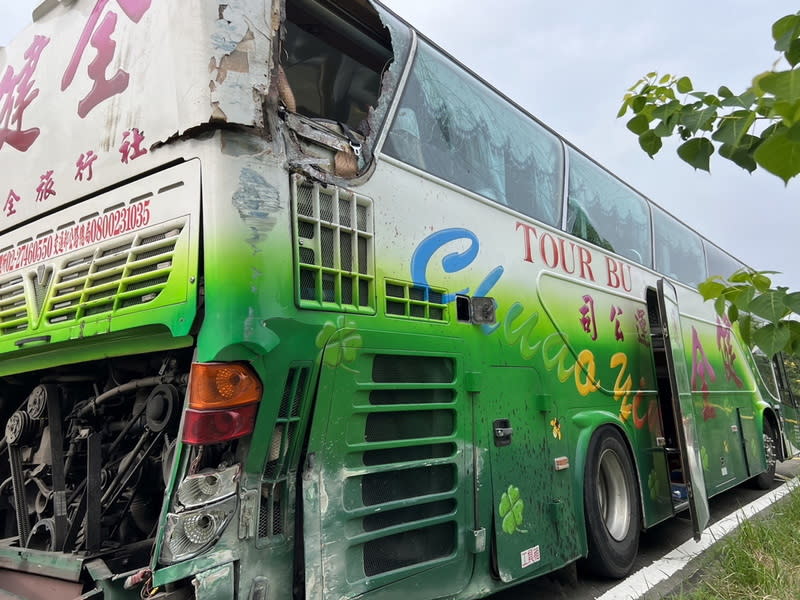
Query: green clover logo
(342, 340)
(511, 509)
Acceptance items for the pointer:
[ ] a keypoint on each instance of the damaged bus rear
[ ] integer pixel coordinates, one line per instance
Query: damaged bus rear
(156, 369)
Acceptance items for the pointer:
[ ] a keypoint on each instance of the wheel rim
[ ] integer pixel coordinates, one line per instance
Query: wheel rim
(612, 495)
(769, 450)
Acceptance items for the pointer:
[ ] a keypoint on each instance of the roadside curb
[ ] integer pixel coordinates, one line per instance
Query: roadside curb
(665, 575)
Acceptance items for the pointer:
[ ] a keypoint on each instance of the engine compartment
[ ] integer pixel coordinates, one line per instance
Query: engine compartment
(92, 439)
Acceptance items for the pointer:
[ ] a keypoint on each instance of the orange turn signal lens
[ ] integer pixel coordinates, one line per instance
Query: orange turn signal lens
(215, 386)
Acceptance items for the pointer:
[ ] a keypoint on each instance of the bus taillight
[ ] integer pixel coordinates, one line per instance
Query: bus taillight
(223, 402)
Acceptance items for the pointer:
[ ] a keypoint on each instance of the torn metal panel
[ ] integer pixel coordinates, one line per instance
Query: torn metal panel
(333, 105)
(215, 583)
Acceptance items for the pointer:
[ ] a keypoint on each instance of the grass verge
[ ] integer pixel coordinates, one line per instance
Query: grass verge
(760, 560)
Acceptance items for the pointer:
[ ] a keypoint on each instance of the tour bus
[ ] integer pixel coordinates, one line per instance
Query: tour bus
(294, 306)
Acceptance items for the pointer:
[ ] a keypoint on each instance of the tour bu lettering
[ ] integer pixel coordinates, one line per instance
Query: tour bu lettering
(95, 230)
(619, 274)
(556, 252)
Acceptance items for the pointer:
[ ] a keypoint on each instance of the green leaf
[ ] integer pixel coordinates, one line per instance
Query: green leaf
(770, 306)
(779, 155)
(788, 111)
(761, 282)
(784, 30)
(793, 133)
(719, 305)
(782, 84)
(710, 289)
(793, 53)
(793, 302)
(639, 124)
(733, 313)
(746, 328)
(744, 298)
(684, 85)
(772, 337)
(638, 103)
(744, 100)
(666, 110)
(724, 92)
(696, 118)
(665, 79)
(742, 158)
(650, 143)
(697, 152)
(732, 128)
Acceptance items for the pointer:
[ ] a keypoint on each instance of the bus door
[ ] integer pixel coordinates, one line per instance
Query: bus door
(787, 373)
(533, 522)
(681, 442)
(387, 480)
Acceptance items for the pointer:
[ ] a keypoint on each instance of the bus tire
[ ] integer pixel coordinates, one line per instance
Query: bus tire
(765, 480)
(611, 505)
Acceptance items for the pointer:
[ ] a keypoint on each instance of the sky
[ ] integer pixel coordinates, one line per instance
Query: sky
(570, 63)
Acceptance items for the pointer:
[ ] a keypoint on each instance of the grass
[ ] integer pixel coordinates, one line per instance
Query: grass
(759, 561)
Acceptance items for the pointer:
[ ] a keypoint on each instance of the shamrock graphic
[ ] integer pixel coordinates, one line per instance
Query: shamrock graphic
(511, 509)
(342, 340)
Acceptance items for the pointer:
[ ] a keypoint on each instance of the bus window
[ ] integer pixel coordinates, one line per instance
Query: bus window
(791, 369)
(720, 263)
(606, 212)
(766, 372)
(456, 128)
(679, 250)
(333, 67)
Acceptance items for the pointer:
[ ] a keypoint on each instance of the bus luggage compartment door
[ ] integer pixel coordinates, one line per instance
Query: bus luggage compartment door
(387, 481)
(682, 405)
(533, 522)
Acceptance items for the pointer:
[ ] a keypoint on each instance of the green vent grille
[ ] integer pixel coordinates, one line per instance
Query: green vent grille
(13, 309)
(334, 248)
(414, 302)
(282, 455)
(128, 272)
(401, 491)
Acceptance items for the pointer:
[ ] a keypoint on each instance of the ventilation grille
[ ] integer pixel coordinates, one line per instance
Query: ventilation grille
(124, 272)
(13, 309)
(414, 302)
(334, 251)
(282, 455)
(402, 492)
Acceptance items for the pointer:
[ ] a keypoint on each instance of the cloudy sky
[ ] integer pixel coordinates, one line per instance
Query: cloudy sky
(569, 63)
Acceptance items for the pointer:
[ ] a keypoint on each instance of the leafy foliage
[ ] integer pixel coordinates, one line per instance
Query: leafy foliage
(767, 316)
(759, 127)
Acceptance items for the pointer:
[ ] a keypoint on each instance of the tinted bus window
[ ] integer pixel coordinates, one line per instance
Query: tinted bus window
(679, 250)
(452, 126)
(606, 212)
(720, 263)
(764, 365)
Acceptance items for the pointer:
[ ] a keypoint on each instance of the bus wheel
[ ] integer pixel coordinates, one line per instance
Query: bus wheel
(611, 505)
(765, 480)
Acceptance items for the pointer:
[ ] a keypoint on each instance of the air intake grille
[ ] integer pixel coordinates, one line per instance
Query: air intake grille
(334, 248)
(13, 310)
(282, 455)
(402, 488)
(124, 272)
(414, 302)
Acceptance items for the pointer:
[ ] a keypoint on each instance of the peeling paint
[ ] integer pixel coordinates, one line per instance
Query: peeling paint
(257, 201)
(238, 68)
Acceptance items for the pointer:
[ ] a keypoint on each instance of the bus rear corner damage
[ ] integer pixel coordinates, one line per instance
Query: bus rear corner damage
(88, 454)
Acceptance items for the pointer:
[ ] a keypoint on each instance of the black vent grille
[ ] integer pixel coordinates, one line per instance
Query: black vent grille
(401, 486)
(281, 459)
(334, 248)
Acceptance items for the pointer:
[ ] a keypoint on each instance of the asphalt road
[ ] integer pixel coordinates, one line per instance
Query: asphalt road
(653, 544)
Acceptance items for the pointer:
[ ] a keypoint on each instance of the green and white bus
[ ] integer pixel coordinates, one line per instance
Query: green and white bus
(294, 306)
